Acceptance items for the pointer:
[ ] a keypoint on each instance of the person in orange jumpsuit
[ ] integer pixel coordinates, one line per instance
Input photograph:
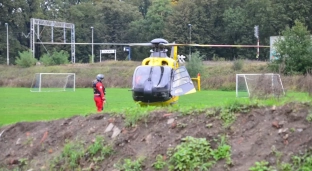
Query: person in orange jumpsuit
(99, 92)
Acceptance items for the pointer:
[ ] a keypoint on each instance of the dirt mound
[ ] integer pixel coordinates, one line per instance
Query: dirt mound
(254, 136)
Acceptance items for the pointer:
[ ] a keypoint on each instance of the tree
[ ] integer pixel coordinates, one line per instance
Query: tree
(294, 49)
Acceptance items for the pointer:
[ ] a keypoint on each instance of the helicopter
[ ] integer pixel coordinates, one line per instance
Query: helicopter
(159, 80)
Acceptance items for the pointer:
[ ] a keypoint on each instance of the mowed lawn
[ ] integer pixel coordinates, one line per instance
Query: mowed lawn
(19, 104)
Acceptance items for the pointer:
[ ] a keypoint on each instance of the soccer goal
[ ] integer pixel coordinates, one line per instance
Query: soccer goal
(259, 85)
(53, 82)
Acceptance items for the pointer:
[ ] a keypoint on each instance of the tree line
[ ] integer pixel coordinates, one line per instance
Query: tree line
(137, 21)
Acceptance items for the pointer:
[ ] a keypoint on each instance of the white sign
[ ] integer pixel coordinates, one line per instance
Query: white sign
(108, 51)
(256, 31)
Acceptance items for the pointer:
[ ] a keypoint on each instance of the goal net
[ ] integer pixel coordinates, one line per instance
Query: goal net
(259, 85)
(53, 82)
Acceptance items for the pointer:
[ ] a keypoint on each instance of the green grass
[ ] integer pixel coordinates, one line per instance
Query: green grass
(19, 104)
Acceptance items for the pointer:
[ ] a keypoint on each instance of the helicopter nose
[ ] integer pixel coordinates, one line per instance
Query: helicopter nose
(148, 87)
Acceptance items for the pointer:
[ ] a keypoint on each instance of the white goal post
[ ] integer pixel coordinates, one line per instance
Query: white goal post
(53, 82)
(259, 85)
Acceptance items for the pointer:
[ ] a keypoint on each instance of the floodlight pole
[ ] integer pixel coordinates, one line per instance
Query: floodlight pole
(190, 28)
(92, 45)
(256, 30)
(7, 30)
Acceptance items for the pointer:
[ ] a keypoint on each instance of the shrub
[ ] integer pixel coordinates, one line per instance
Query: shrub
(237, 65)
(294, 49)
(25, 59)
(57, 58)
(195, 64)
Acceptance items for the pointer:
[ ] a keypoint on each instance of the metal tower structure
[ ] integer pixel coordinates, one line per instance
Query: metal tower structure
(37, 22)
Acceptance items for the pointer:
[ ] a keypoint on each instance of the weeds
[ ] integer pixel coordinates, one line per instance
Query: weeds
(129, 165)
(309, 117)
(74, 153)
(134, 114)
(298, 163)
(196, 154)
(261, 166)
(160, 163)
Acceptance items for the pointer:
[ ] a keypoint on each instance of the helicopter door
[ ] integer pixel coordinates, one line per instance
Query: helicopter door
(182, 83)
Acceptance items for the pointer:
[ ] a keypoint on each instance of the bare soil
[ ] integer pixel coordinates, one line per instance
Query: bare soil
(254, 136)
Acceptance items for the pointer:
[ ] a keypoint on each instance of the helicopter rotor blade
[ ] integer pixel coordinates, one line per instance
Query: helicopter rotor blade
(116, 44)
(209, 45)
(150, 44)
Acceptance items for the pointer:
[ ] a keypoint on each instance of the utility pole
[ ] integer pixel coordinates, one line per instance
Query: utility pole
(92, 45)
(7, 30)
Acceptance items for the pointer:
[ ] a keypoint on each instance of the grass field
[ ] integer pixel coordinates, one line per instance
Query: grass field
(19, 104)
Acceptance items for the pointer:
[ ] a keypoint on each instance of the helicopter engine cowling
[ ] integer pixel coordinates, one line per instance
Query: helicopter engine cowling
(152, 83)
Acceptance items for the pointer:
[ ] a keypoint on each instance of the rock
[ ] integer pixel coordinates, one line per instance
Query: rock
(148, 138)
(91, 130)
(173, 125)
(111, 120)
(14, 161)
(18, 141)
(167, 114)
(282, 130)
(109, 127)
(170, 121)
(275, 124)
(116, 132)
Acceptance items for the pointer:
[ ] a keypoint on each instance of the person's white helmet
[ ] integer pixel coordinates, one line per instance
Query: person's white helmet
(100, 77)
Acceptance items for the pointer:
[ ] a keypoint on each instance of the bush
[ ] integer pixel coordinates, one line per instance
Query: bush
(25, 59)
(195, 65)
(57, 58)
(294, 50)
(237, 65)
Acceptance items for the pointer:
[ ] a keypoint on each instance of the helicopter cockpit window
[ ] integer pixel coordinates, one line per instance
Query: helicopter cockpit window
(158, 75)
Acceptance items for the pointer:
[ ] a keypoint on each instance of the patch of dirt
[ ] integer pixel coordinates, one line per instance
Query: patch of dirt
(252, 137)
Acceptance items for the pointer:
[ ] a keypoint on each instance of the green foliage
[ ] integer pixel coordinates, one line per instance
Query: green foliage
(57, 58)
(223, 151)
(160, 163)
(192, 154)
(129, 165)
(309, 117)
(298, 163)
(196, 154)
(261, 166)
(72, 152)
(25, 59)
(195, 64)
(99, 147)
(294, 50)
(134, 114)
